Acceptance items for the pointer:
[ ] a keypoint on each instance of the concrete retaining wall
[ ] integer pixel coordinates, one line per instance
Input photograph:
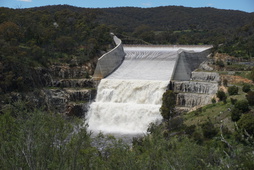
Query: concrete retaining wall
(188, 62)
(110, 61)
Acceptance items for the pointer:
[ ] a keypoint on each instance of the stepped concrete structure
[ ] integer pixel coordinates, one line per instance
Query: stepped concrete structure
(133, 79)
(172, 63)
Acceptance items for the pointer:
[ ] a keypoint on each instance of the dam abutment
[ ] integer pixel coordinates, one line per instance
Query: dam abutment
(110, 61)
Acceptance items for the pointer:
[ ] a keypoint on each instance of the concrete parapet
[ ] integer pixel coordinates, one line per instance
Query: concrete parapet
(110, 61)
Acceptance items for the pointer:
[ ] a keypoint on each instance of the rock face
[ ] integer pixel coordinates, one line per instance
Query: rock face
(195, 87)
(62, 89)
(205, 76)
(196, 92)
(192, 99)
(73, 83)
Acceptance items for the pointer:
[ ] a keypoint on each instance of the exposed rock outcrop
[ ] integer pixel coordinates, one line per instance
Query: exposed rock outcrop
(71, 83)
(195, 87)
(81, 94)
(205, 76)
(191, 99)
(198, 91)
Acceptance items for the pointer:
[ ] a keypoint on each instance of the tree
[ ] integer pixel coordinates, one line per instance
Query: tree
(209, 130)
(246, 88)
(9, 31)
(250, 97)
(225, 82)
(221, 95)
(235, 114)
(168, 105)
(233, 90)
(247, 123)
(65, 43)
(242, 105)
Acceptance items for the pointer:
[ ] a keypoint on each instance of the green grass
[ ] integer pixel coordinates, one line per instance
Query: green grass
(244, 74)
(218, 113)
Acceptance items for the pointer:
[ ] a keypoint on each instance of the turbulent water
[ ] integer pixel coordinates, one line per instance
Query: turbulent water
(129, 99)
(126, 106)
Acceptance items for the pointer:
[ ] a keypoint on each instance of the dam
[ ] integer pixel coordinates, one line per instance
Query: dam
(132, 82)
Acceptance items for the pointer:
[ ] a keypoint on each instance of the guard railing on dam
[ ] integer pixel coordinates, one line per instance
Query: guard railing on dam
(110, 61)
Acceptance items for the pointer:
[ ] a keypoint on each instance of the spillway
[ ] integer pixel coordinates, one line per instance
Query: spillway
(129, 99)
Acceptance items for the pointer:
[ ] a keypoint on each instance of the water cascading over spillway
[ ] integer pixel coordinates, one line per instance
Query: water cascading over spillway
(129, 99)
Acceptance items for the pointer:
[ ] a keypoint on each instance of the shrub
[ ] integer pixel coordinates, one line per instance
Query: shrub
(209, 130)
(225, 82)
(246, 88)
(213, 100)
(189, 130)
(233, 101)
(250, 97)
(235, 114)
(221, 95)
(233, 90)
(242, 105)
(220, 63)
(247, 122)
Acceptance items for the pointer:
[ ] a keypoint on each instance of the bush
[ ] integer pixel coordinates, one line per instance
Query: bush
(247, 122)
(225, 82)
(235, 114)
(246, 88)
(189, 130)
(209, 130)
(242, 105)
(213, 100)
(233, 101)
(250, 97)
(221, 95)
(220, 63)
(233, 90)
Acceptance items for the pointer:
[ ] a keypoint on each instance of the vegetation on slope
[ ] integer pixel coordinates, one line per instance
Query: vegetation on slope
(32, 139)
(30, 38)
(217, 136)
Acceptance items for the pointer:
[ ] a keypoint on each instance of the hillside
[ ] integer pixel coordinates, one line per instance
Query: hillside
(48, 54)
(182, 25)
(174, 18)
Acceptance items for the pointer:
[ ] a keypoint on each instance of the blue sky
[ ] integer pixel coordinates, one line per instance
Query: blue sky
(243, 5)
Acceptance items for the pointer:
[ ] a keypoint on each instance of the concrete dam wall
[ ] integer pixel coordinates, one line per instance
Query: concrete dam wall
(129, 96)
(110, 61)
(187, 62)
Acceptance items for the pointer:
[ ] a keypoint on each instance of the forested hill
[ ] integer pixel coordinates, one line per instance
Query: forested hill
(47, 35)
(175, 18)
(183, 25)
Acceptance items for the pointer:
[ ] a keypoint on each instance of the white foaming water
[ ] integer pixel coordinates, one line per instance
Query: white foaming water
(129, 99)
(126, 106)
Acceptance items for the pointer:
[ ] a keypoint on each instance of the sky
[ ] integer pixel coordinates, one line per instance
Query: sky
(242, 5)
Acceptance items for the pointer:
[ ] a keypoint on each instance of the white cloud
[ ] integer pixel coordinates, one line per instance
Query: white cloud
(210, 5)
(25, 0)
(148, 4)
